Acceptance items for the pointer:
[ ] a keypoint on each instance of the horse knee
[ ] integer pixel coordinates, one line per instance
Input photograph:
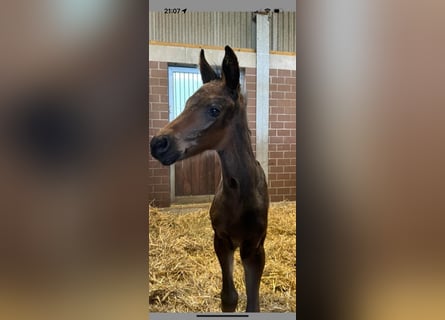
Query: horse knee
(251, 252)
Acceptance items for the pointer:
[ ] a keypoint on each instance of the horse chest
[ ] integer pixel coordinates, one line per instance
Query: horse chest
(238, 222)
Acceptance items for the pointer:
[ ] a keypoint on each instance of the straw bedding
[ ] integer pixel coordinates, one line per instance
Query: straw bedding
(184, 274)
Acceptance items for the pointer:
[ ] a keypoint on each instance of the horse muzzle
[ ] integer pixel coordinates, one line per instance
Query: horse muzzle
(164, 149)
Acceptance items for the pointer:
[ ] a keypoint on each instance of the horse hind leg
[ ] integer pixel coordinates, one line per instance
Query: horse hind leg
(225, 251)
(253, 259)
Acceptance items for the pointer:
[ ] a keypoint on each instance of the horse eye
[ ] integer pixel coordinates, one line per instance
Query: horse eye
(214, 112)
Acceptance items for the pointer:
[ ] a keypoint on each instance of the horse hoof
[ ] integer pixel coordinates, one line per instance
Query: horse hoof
(229, 303)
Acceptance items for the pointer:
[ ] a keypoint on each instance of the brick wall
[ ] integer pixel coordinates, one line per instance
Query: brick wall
(250, 81)
(282, 132)
(159, 175)
(282, 135)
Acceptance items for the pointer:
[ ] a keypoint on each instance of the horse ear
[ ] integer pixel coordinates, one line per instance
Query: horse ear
(230, 69)
(207, 73)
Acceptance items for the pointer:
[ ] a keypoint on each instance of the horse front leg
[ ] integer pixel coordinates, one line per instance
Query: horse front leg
(253, 260)
(229, 296)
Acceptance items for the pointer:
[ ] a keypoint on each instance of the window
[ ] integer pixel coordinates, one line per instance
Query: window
(182, 83)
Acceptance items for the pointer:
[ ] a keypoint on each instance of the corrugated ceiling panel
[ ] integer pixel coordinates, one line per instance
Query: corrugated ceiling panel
(220, 28)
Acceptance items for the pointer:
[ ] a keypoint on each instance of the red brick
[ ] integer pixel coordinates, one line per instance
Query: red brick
(291, 110)
(154, 98)
(283, 147)
(283, 176)
(289, 154)
(278, 80)
(276, 154)
(284, 191)
(290, 125)
(153, 131)
(158, 73)
(153, 64)
(273, 72)
(251, 80)
(283, 117)
(160, 172)
(289, 168)
(155, 180)
(153, 82)
(289, 183)
(291, 80)
(277, 110)
(251, 98)
(283, 162)
(154, 115)
(159, 90)
(158, 123)
(250, 71)
(291, 95)
(277, 124)
(284, 73)
(250, 86)
(283, 133)
(276, 169)
(283, 87)
(277, 183)
(277, 95)
(164, 115)
(288, 103)
(166, 180)
(158, 107)
(276, 139)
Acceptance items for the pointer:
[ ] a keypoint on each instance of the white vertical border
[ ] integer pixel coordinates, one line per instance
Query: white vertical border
(171, 116)
(262, 91)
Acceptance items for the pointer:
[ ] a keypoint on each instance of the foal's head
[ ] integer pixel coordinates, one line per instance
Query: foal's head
(207, 114)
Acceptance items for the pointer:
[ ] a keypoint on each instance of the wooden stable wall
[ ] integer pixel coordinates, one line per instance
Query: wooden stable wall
(282, 131)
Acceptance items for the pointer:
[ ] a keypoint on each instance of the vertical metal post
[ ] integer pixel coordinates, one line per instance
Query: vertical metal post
(262, 90)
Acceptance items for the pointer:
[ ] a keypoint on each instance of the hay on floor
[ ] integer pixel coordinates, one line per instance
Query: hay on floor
(184, 274)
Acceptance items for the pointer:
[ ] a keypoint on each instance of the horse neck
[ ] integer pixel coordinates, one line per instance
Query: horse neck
(237, 158)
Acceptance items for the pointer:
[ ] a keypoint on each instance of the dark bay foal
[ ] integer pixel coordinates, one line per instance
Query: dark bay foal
(215, 118)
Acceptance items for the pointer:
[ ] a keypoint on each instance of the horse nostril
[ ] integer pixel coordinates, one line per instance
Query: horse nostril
(160, 144)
